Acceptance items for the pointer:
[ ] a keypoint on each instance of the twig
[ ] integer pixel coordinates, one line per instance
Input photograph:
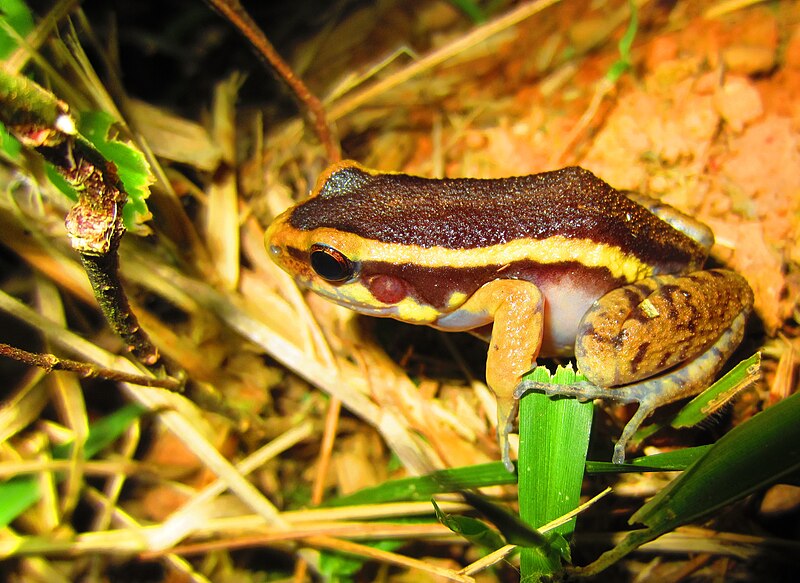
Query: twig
(42, 123)
(233, 11)
(50, 362)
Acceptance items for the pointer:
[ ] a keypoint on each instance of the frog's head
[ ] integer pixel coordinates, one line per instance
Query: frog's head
(319, 242)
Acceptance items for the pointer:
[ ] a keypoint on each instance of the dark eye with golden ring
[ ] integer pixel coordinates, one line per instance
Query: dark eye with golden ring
(330, 264)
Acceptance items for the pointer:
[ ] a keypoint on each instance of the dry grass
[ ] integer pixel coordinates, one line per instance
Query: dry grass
(298, 402)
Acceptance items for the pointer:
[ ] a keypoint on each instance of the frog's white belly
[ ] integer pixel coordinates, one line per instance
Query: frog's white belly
(564, 307)
(566, 301)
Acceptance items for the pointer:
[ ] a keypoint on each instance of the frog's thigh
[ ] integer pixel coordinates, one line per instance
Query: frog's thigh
(685, 381)
(638, 330)
(517, 309)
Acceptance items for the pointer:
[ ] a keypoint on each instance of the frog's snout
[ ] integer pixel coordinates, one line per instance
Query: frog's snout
(272, 240)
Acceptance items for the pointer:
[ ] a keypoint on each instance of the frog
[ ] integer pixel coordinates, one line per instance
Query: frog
(557, 264)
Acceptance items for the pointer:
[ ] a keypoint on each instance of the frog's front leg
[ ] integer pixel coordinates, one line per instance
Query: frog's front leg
(689, 324)
(517, 310)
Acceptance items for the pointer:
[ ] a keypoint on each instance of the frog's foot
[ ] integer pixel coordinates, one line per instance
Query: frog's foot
(642, 413)
(506, 411)
(583, 391)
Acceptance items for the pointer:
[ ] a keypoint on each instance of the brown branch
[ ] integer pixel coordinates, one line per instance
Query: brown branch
(42, 123)
(235, 13)
(50, 362)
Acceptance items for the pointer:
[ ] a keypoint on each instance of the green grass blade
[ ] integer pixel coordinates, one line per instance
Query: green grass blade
(472, 529)
(554, 438)
(740, 377)
(670, 461)
(626, 42)
(752, 455)
(755, 454)
(471, 9)
(423, 487)
(20, 493)
(14, 16)
(515, 531)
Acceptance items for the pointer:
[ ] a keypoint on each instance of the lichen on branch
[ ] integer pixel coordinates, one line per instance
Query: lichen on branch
(42, 122)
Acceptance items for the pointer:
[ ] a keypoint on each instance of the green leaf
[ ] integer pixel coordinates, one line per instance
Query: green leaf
(342, 567)
(626, 42)
(670, 461)
(721, 392)
(339, 567)
(61, 183)
(757, 453)
(472, 529)
(14, 16)
(133, 169)
(554, 439)
(103, 432)
(9, 144)
(471, 9)
(423, 487)
(21, 492)
(510, 525)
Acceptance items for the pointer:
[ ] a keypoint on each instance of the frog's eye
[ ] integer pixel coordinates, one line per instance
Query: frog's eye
(330, 264)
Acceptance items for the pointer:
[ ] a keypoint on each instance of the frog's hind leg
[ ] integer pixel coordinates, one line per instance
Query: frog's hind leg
(685, 381)
(686, 224)
(637, 331)
(682, 328)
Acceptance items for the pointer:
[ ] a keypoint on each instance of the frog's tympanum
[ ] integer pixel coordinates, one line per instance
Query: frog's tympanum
(551, 264)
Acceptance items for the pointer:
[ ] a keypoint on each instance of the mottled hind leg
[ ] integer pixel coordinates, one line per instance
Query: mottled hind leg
(637, 331)
(685, 381)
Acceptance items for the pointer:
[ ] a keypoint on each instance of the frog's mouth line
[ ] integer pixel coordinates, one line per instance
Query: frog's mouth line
(347, 301)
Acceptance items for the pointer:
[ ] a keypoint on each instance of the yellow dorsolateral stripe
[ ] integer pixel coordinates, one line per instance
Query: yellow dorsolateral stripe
(556, 249)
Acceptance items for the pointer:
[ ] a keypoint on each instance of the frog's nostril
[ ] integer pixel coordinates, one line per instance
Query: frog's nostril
(274, 250)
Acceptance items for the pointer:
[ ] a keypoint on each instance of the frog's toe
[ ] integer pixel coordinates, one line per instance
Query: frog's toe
(619, 453)
(506, 412)
(509, 465)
